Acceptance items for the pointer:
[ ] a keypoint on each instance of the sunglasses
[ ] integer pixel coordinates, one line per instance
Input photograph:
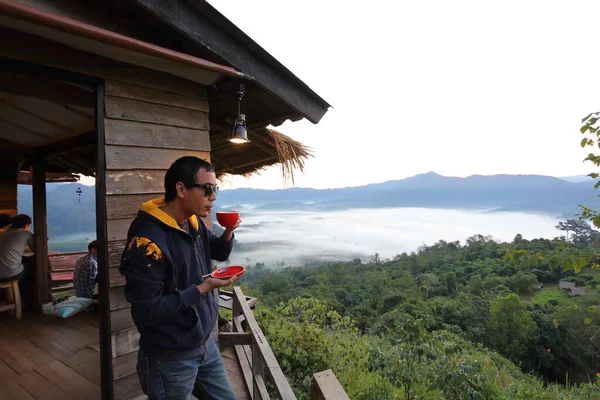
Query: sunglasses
(208, 188)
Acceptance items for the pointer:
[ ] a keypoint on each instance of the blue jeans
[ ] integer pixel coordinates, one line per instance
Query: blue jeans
(205, 377)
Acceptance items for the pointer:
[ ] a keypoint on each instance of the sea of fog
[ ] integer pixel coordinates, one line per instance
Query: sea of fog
(298, 237)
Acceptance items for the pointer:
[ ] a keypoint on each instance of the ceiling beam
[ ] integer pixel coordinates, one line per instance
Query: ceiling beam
(39, 88)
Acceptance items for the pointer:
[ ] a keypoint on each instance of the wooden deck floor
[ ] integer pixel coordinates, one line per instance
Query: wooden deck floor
(43, 357)
(49, 358)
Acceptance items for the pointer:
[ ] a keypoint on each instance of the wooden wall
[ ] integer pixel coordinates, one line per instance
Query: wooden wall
(146, 129)
(8, 188)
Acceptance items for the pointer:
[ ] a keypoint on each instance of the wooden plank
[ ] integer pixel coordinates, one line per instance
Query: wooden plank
(244, 354)
(49, 344)
(115, 250)
(134, 133)
(48, 330)
(13, 357)
(78, 339)
(325, 386)
(90, 319)
(234, 372)
(132, 110)
(129, 91)
(125, 342)
(127, 387)
(86, 362)
(121, 320)
(125, 206)
(117, 229)
(9, 204)
(82, 325)
(22, 46)
(8, 191)
(40, 388)
(135, 182)
(124, 365)
(115, 277)
(261, 346)
(26, 347)
(126, 157)
(6, 372)
(261, 392)
(10, 390)
(245, 366)
(234, 338)
(117, 299)
(75, 385)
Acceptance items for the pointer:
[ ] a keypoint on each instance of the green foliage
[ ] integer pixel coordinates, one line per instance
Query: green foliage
(406, 358)
(469, 293)
(510, 326)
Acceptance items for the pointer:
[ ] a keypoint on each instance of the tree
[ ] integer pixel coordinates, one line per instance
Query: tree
(450, 280)
(510, 326)
(591, 131)
(582, 233)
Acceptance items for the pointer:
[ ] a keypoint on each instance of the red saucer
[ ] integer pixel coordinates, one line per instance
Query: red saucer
(228, 272)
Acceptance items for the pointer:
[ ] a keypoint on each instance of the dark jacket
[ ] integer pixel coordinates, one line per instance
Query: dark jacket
(163, 264)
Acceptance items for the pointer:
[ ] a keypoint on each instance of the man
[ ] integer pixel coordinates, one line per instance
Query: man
(13, 243)
(86, 272)
(169, 250)
(5, 221)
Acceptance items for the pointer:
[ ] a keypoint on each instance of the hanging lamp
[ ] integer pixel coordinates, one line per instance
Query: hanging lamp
(239, 133)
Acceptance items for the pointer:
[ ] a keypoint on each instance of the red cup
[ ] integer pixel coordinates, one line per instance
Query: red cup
(228, 219)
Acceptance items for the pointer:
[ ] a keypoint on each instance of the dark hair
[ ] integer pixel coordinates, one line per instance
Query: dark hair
(20, 221)
(183, 170)
(5, 220)
(93, 245)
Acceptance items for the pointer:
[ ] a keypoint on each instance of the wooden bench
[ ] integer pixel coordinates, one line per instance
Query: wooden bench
(13, 302)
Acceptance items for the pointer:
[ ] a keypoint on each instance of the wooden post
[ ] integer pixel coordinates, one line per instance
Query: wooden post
(325, 386)
(8, 188)
(41, 282)
(258, 369)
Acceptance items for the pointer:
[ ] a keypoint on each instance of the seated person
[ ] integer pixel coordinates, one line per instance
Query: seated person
(86, 272)
(13, 243)
(5, 221)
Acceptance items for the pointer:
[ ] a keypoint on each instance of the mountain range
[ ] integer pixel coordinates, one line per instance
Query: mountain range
(523, 193)
(70, 213)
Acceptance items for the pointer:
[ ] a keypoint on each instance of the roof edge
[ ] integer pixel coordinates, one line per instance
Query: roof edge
(205, 26)
(66, 24)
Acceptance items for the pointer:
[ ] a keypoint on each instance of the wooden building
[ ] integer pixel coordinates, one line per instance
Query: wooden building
(118, 89)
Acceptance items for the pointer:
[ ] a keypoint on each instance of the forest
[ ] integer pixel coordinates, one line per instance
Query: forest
(451, 320)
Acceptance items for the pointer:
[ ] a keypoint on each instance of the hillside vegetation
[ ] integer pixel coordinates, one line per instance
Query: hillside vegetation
(448, 321)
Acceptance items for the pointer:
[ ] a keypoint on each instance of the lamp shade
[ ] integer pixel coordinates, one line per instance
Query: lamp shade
(239, 134)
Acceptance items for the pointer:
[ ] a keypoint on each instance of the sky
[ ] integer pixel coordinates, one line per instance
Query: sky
(459, 88)
(456, 87)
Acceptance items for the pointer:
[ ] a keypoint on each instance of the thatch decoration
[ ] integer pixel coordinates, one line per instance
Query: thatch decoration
(267, 147)
(291, 153)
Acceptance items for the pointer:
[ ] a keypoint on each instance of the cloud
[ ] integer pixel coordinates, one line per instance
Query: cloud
(297, 237)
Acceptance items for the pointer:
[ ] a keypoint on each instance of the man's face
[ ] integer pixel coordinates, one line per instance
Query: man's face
(195, 200)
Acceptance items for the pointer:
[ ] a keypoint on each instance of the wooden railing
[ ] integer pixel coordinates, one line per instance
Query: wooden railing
(325, 386)
(253, 351)
(257, 359)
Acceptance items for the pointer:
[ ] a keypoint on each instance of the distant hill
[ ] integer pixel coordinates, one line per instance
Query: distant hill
(66, 213)
(527, 193)
(518, 193)
(576, 178)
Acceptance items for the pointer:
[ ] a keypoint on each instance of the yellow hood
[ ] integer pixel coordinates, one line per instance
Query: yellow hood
(152, 207)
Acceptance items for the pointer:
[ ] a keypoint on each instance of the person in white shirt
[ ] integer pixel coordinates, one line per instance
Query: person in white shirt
(13, 243)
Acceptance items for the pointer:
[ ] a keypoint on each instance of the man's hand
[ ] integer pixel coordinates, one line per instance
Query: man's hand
(213, 283)
(228, 233)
